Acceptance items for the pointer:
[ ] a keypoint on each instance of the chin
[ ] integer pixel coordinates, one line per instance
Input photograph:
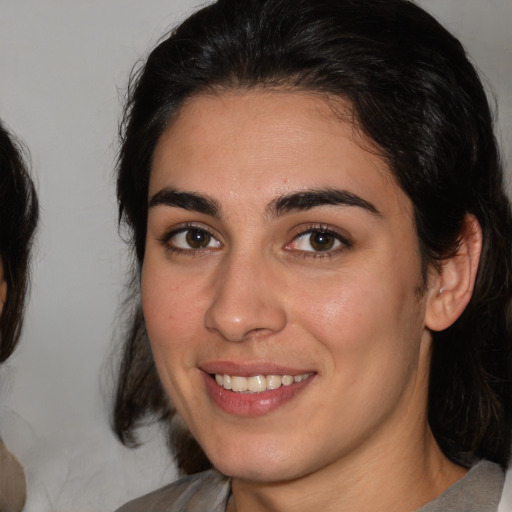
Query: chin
(255, 473)
(266, 465)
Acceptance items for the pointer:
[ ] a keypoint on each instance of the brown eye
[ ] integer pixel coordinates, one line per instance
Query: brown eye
(318, 241)
(191, 239)
(198, 238)
(321, 241)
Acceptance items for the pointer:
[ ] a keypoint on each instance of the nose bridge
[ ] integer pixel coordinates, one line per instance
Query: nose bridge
(246, 297)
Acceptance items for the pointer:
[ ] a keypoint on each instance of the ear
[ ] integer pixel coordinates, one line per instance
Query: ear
(451, 287)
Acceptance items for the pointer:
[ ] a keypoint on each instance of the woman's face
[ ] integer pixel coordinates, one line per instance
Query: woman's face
(281, 256)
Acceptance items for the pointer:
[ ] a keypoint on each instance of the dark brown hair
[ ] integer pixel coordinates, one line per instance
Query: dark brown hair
(417, 96)
(18, 219)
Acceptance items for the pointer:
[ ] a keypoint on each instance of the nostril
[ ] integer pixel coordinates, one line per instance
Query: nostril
(251, 319)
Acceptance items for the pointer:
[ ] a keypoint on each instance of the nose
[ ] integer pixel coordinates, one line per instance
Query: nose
(246, 300)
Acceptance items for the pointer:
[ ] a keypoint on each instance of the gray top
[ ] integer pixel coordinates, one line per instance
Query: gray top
(479, 491)
(203, 492)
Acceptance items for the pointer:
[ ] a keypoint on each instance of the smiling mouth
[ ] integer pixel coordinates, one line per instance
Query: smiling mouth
(257, 383)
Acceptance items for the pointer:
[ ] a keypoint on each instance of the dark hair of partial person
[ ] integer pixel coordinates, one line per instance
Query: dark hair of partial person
(19, 213)
(414, 93)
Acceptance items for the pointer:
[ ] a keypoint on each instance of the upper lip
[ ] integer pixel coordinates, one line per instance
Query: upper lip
(248, 369)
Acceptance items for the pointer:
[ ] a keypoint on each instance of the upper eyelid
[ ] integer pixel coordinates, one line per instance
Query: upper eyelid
(323, 228)
(345, 242)
(180, 228)
(304, 254)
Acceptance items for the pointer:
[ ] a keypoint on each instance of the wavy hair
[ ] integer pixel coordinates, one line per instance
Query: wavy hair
(19, 213)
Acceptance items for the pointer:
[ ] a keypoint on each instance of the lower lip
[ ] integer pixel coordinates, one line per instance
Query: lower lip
(252, 404)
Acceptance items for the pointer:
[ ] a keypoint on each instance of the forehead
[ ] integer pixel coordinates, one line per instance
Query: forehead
(269, 143)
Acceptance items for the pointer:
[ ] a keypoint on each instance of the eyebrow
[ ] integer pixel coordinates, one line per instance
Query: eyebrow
(190, 201)
(308, 199)
(304, 200)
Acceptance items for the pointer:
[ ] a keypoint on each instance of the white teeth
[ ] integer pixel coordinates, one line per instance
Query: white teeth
(287, 380)
(257, 383)
(273, 381)
(239, 383)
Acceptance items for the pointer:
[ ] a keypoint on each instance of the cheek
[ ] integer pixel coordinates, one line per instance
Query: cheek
(171, 314)
(170, 305)
(372, 337)
(369, 315)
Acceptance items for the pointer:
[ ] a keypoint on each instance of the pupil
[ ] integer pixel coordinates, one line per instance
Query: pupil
(197, 238)
(321, 241)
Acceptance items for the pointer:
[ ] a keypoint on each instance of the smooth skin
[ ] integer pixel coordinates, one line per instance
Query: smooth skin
(331, 289)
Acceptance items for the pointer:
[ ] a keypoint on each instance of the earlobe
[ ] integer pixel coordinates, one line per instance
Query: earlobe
(452, 286)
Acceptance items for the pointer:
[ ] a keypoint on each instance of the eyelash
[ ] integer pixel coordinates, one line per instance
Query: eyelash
(321, 229)
(309, 230)
(187, 228)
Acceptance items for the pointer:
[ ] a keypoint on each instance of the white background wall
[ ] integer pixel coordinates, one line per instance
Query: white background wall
(62, 65)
